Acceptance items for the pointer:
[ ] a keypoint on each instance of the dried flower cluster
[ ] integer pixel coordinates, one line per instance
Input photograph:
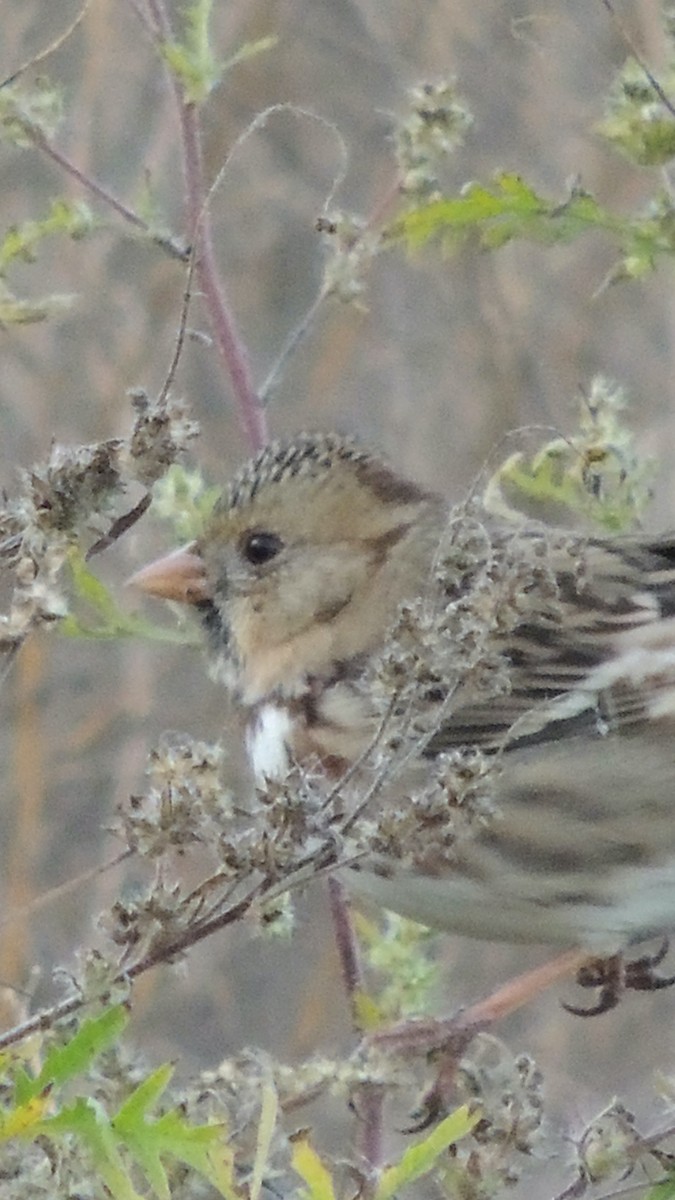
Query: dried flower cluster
(440, 651)
(442, 656)
(70, 496)
(508, 1090)
(351, 248)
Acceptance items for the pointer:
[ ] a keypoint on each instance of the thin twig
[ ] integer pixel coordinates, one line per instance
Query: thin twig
(291, 344)
(345, 940)
(182, 330)
(166, 950)
(63, 889)
(172, 247)
(162, 953)
(663, 97)
(368, 1098)
(42, 143)
(229, 343)
(58, 42)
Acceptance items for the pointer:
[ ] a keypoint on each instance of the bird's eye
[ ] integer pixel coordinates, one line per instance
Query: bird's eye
(261, 547)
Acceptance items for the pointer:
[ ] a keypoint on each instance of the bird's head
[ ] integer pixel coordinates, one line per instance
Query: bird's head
(302, 564)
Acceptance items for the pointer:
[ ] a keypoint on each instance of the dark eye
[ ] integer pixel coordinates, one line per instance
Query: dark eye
(260, 547)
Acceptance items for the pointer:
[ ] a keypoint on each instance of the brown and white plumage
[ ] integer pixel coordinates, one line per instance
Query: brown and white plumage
(300, 575)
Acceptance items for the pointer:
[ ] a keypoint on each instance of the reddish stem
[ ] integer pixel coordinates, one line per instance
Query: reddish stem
(231, 348)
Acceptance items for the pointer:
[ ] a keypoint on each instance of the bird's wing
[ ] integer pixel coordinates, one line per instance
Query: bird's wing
(601, 659)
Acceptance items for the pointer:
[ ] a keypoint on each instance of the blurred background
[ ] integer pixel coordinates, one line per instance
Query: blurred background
(449, 354)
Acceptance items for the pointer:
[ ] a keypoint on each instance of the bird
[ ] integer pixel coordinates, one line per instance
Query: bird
(536, 663)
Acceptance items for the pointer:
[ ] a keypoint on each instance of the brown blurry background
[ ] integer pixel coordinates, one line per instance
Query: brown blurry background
(450, 354)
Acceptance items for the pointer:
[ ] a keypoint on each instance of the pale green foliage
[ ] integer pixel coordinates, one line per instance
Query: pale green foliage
(26, 116)
(192, 60)
(183, 498)
(56, 1103)
(400, 952)
(97, 613)
(21, 241)
(16, 311)
(416, 1161)
(510, 209)
(594, 477)
(638, 122)
(20, 244)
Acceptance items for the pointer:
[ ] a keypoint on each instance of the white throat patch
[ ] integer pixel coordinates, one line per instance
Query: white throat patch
(267, 741)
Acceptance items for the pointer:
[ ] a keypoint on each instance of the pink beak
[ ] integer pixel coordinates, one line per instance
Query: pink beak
(176, 576)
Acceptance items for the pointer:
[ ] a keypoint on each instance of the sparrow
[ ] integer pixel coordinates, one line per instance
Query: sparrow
(537, 664)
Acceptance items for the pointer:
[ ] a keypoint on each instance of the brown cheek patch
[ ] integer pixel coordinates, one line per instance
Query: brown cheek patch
(380, 546)
(387, 486)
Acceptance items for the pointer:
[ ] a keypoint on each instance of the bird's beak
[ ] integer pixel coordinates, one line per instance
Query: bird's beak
(177, 576)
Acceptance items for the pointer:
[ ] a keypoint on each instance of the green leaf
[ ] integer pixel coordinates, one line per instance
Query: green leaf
(64, 1063)
(269, 1110)
(146, 1142)
(88, 587)
(192, 59)
(106, 620)
(75, 220)
(203, 1147)
(662, 1191)
(250, 50)
(307, 1164)
(22, 1120)
(595, 474)
(183, 498)
(508, 209)
(87, 1121)
(418, 1160)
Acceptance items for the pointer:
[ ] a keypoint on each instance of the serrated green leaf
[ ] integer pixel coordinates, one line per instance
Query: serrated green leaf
(87, 1121)
(202, 1147)
(205, 1149)
(509, 208)
(22, 1120)
(94, 1035)
(145, 1140)
(418, 1160)
(144, 1096)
